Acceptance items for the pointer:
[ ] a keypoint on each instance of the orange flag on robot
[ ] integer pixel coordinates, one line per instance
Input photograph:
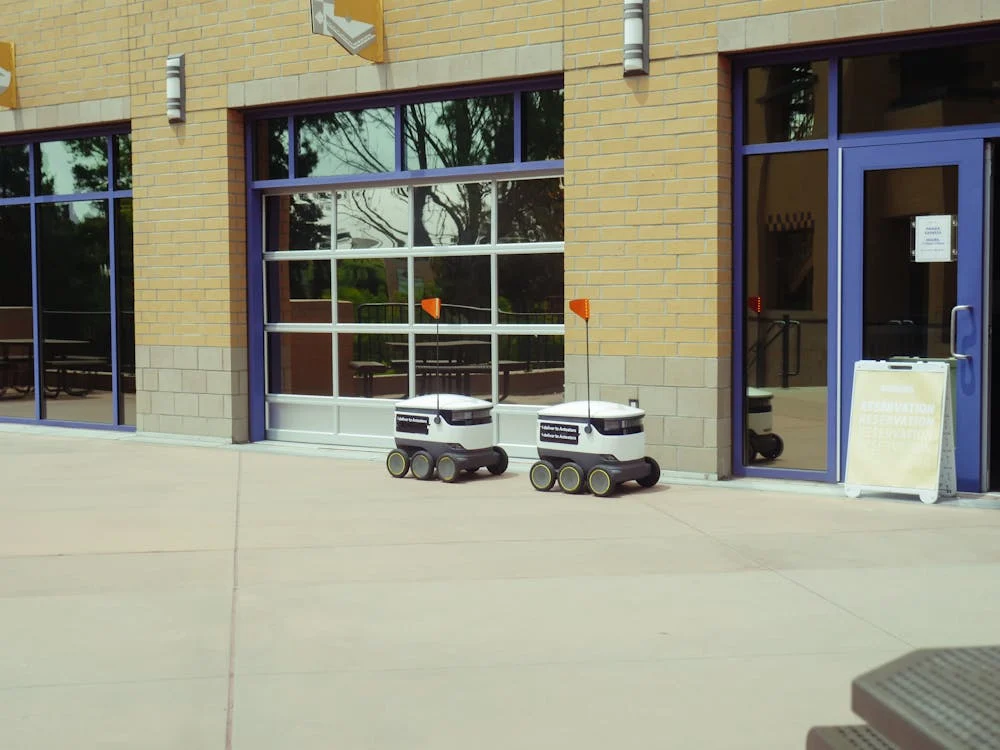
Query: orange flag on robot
(581, 307)
(431, 306)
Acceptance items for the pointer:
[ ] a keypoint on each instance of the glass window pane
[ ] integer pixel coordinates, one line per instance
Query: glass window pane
(452, 214)
(459, 133)
(14, 180)
(346, 143)
(786, 309)
(126, 309)
(372, 290)
(463, 284)
(123, 161)
(787, 102)
(532, 369)
(531, 211)
(911, 316)
(16, 322)
(303, 221)
(372, 218)
(300, 363)
(76, 310)
(373, 365)
(454, 364)
(922, 88)
(76, 166)
(531, 289)
(542, 125)
(271, 149)
(299, 291)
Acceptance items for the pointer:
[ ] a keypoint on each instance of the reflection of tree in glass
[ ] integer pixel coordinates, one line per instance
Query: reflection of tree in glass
(790, 102)
(89, 164)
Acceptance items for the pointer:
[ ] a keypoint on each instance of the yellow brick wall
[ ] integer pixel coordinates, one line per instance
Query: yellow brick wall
(647, 182)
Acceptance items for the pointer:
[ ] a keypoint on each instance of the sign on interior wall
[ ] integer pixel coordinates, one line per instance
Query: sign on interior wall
(8, 82)
(355, 24)
(901, 435)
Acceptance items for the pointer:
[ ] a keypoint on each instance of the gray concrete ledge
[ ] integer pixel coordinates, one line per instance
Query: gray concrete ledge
(851, 21)
(67, 115)
(469, 67)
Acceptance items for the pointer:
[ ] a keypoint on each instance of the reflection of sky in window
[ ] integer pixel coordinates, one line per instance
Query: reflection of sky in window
(372, 217)
(346, 143)
(58, 161)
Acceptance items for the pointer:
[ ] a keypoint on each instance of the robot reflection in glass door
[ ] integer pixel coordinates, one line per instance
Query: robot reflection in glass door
(595, 445)
(443, 433)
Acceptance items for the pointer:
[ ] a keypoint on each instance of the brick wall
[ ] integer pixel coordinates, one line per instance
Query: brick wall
(648, 159)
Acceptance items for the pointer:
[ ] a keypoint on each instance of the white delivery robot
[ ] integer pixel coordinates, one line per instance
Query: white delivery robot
(446, 433)
(596, 445)
(760, 425)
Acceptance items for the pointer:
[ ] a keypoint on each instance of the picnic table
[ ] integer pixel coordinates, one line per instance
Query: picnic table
(931, 699)
(15, 369)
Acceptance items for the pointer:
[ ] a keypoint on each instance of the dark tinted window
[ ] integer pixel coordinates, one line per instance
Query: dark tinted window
(271, 149)
(542, 125)
(787, 102)
(14, 180)
(924, 88)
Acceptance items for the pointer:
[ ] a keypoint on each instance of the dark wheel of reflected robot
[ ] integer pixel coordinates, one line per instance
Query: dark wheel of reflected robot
(542, 476)
(447, 469)
(571, 478)
(422, 465)
(770, 446)
(501, 465)
(653, 476)
(398, 463)
(600, 481)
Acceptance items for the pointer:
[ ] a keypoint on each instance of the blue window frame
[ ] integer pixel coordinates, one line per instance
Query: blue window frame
(67, 331)
(489, 149)
(832, 141)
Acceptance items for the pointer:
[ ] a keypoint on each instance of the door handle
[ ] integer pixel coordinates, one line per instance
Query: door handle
(954, 338)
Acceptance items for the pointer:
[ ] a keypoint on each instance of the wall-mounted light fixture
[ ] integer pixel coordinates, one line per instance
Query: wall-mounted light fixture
(175, 88)
(636, 37)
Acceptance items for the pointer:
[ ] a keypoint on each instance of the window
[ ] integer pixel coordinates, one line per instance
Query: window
(786, 102)
(82, 240)
(347, 263)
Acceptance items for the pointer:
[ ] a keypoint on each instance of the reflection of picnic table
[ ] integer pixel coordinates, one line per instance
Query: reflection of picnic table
(17, 370)
(931, 699)
(451, 365)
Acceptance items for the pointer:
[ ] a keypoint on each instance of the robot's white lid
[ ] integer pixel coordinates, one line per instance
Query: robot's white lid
(758, 393)
(446, 401)
(598, 410)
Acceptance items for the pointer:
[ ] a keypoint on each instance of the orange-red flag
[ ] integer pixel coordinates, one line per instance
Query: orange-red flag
(431, 306)
(581, 307)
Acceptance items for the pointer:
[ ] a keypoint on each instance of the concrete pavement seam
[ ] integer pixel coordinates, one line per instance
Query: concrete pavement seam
(230, 690)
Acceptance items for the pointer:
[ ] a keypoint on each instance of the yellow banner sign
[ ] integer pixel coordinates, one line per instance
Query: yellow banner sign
(897, 432)
(357, 25)
(8, 81)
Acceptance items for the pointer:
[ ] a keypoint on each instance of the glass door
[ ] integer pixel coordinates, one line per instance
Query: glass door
(913, 273)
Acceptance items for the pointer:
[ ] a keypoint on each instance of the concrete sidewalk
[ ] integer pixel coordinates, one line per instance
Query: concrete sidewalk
(162, 596)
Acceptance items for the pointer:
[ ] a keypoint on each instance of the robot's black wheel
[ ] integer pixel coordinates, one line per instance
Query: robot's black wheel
(542, 476)
(600, 481)
(447, 469)
(571, 478)
(398, 463)
(422, 465)
(770, 446)
(501, 465)
(653, 476)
